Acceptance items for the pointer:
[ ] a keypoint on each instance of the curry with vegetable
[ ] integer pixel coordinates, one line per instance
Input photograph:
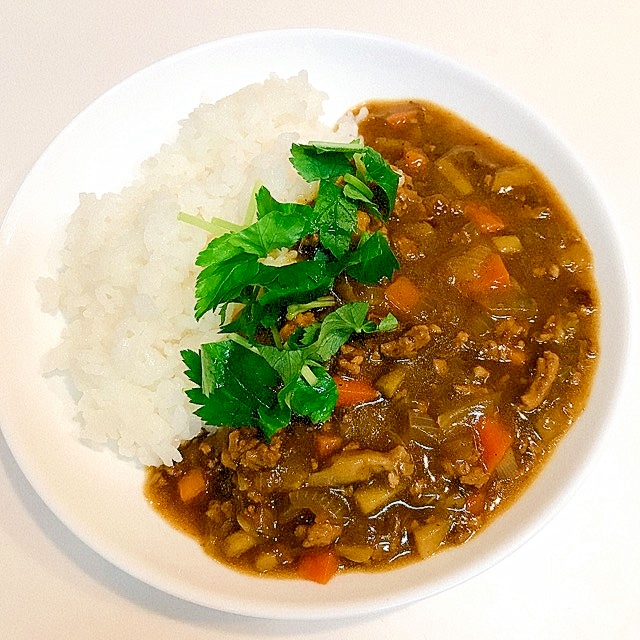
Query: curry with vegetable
(400, 357)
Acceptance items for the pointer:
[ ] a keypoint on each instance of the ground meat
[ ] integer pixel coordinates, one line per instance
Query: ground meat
(408, 203)
(321, 534)
(351, 359)
(510, 328)
(301, 320)
(248, 450)
(546, 371)
(476, 477)
(408, 345)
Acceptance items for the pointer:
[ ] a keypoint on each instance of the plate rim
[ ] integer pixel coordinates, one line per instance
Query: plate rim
(297, 611)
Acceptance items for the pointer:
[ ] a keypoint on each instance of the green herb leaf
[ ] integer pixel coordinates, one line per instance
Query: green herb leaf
(266, 203)
(379, 174)
(388, 323)
(226, 394)
(316, 401)
(356, 189)
(242, 381)
(224, 281)
(273, 419)
(372, 260)
(336, 218)
(313, 162)
(272, 231)
(298, 282)
(348, 148)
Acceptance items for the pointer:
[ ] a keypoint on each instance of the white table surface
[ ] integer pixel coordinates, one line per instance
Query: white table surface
(576, 62)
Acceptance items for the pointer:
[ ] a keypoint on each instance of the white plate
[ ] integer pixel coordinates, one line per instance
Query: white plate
(98, 496)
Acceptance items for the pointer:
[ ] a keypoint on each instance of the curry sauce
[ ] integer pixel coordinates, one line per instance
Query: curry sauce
(440, 423)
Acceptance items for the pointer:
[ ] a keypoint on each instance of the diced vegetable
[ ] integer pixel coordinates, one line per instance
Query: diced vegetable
(318, 566)
(495, 440)
(403, 294)
(465, 411)
(191, 485)
(389, 383)
(359, 553)
(353, 392)
(420, 230)
(507, 469)
(428, 537)
(409, 116)
(327, 443)
(454, 175)
(551, 424)
(475, 502)
(266, 562)
(422, 428)
(324, 503)
(373, 497)
(362, 465)
(507, 244)
(509, 177)
(509, 302)
(479, 271)
(238, 543)
(494, 274)
(485, 220)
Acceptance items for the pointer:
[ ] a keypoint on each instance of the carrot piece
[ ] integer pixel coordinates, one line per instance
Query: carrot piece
(326, 444)
(410, 116)
(415, 157)
(495, 440)
(415, 162)
(191, 485)
(475, 502)
(403, 294)
(484, 219)
(318, 566)
(352, 392)
(491, 274)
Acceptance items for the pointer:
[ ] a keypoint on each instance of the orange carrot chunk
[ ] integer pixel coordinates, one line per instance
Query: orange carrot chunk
(491, 274)
(399, 118)
(475, 502)
(191, 485)
(352, 392)
(318, 566)
(326, 444)
(483, 218)
(495, 440)
(403, 294)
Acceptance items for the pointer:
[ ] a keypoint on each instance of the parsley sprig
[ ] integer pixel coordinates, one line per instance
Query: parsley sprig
(245, 380)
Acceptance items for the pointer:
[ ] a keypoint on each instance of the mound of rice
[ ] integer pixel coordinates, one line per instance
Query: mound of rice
(126, 285)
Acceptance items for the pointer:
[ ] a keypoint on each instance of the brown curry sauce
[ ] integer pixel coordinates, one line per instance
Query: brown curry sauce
(491, 363)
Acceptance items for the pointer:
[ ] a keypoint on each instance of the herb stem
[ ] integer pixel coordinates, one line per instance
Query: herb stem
(277, 340)
(214, 226)
(323, 301)
(308, 375)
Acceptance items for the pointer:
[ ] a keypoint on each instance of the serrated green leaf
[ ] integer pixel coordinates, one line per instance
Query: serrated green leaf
(372, 260)
(314, 164)
(379, 174)
(336, 218)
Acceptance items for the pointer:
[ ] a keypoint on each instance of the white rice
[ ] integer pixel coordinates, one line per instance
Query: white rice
(127, 279)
